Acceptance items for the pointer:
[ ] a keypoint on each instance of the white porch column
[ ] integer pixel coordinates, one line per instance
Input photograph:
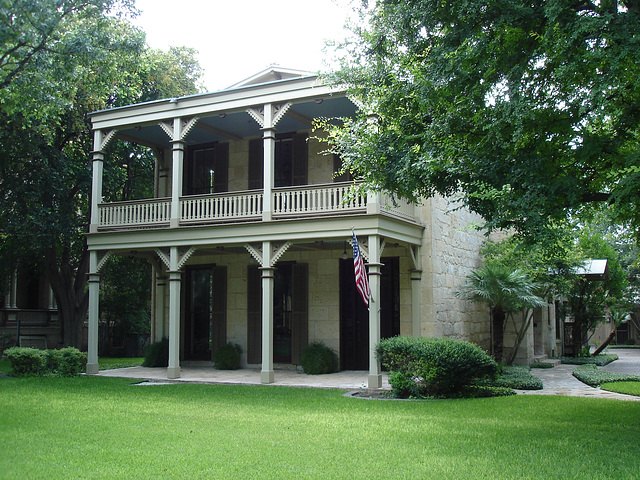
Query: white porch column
(266, 375)
(94, 313)
(375, 373)
(176, 176)
(96, 180)
(269, 139)
(416, 298)
(175, 278)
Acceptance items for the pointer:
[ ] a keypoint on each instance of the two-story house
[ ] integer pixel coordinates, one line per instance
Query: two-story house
(249, 233)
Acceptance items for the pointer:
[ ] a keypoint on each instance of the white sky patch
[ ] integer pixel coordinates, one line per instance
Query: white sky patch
(237, 38)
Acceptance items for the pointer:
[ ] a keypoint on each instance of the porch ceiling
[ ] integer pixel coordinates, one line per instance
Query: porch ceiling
(221, 125)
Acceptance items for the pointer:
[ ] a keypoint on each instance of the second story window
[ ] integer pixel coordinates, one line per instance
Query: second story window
(207, 169)
(291, 161)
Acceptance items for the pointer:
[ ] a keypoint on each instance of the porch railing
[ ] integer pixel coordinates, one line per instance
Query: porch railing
(288, 202)
(317, 199)
(221, 207)
(137, 213)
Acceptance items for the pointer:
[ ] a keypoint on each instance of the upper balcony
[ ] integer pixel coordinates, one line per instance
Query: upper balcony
(246, 156)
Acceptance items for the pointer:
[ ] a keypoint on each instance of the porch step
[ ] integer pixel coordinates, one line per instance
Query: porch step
(545, 359)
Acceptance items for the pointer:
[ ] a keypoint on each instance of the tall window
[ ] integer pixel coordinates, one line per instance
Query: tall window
(291, 161)
(207, 169)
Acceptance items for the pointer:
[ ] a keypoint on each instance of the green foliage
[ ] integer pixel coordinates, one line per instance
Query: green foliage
(26, 361)
(590, 375)
(516, 377)
(227, 357)
(65, 362)
(425, 367)
(317, 358)
(525, 110)
(111, 363)
(6, 341)
(157, 354)
(599, 360)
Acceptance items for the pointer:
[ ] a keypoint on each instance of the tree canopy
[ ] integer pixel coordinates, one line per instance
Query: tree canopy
(525, 111)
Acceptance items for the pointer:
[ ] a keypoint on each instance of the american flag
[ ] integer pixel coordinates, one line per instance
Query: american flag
(362, 281)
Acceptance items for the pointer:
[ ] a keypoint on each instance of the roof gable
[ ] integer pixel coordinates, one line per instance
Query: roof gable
(272, 73)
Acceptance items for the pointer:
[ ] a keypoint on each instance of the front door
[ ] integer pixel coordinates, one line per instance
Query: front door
(205, 326)
(290, 313)
(354, 315)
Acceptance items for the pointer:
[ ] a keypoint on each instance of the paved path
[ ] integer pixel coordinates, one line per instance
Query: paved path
(556, 381)
(560, 381)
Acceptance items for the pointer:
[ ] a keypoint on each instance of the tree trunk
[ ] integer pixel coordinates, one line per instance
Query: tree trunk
(498, 316)
(69, 289)
(606, 343)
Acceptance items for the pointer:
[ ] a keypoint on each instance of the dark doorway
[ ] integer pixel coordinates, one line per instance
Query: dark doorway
(205, 325)
(354, 315)
(290, 313)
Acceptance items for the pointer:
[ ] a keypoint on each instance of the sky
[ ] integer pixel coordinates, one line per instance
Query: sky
(238, 38)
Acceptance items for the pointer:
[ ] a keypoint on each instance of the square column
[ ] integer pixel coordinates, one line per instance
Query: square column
(175, 279)
(374, 380)
(269, 143)
(176, 179)
(96, 180)
(266, 375)
(94, 314)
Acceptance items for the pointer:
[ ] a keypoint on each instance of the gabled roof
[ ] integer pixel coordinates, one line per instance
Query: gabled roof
(273, 73)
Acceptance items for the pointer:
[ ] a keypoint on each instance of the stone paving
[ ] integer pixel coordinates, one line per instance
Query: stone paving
(556, 381)
(560, 381)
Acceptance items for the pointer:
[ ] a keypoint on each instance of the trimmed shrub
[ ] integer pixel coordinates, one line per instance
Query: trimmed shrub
(590, 375)
(26, 361)
(65, 362)
(517, 377)
(317, 359)
(157, 354)
(599, 360)
(227, 357)
(432, 367)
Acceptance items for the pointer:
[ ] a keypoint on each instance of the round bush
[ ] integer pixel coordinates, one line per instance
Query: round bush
(227, 357)
(432, 366)
(157, 355)
(317, 359)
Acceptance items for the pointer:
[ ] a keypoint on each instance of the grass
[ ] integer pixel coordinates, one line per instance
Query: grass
(105, 428)
(110, 363)
(628, 388)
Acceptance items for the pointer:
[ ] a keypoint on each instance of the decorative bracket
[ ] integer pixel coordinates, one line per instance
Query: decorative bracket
(183, 130)
(182, 257)
(278, 111)
(276, 253)
(415, 257)
(102, 259)
(106, 139)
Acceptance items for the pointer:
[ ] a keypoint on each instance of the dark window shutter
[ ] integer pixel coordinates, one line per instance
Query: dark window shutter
(254, 315)
(219, 310)
(221, 168)
(300, 310)
(256, 164)
(300, 160)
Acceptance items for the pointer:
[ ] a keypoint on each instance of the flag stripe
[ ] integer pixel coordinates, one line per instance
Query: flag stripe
(362, 280)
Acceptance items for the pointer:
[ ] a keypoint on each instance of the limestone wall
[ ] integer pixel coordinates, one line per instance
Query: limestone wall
(449, 254)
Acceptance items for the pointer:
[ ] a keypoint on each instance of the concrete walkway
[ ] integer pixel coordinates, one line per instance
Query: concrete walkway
(560, 381)
(556, 381)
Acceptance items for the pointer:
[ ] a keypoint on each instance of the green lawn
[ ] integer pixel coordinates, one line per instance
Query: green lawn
(628, 388)
(105, 428)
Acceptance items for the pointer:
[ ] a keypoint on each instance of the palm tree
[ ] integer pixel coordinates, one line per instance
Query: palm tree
(505, 291)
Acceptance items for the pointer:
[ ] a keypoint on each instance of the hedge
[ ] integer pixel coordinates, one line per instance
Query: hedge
(65, 362)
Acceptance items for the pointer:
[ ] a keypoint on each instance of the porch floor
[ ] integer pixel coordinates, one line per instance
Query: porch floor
(345, 380)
